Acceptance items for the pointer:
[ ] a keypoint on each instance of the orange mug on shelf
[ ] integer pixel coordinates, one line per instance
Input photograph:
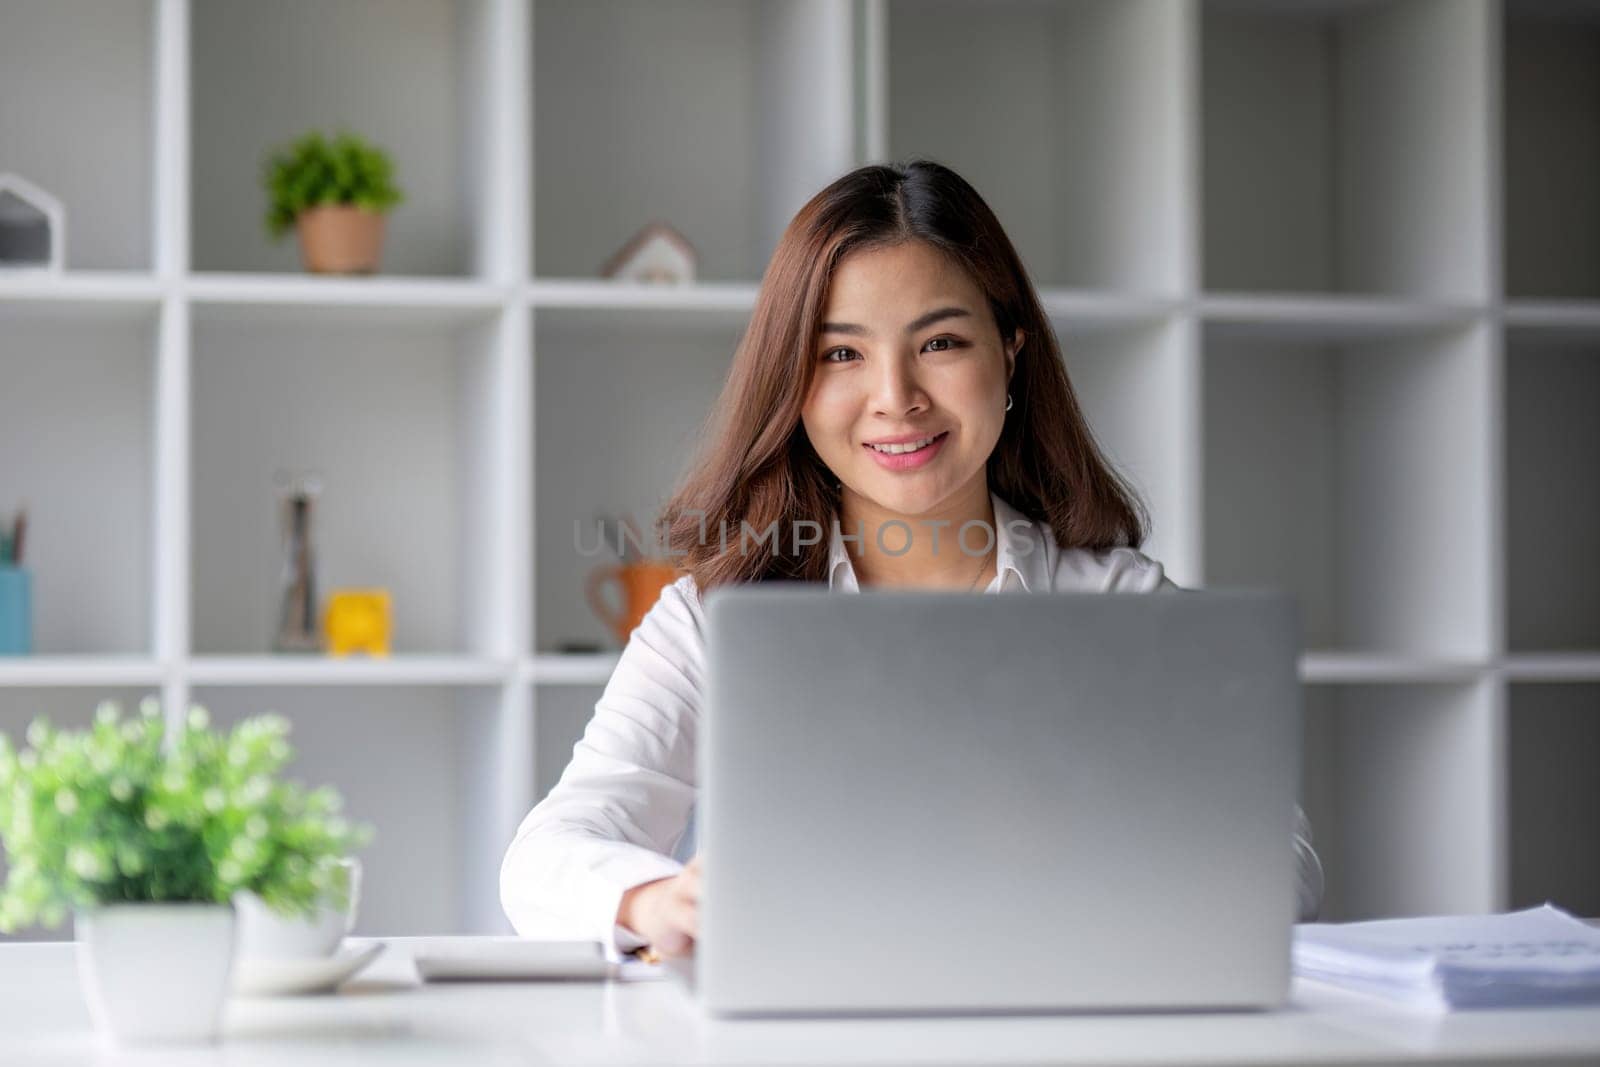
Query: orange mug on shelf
(639, 586)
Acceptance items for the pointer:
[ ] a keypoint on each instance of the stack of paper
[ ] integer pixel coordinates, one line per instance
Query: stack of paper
(1539, 956)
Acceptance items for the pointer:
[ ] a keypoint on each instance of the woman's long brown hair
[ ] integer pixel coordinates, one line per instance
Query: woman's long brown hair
(757, 466)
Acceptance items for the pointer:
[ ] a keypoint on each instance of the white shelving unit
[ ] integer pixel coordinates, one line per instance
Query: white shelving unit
(1326, 274)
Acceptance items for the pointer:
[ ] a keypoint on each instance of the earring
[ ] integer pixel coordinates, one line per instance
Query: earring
(1008, 401)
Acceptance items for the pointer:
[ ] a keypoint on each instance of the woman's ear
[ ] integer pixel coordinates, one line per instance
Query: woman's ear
(1012, 349)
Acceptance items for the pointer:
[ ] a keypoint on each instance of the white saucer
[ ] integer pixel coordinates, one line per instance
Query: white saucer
(273, 978)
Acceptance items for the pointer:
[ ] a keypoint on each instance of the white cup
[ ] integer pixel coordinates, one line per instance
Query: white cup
(263, 934)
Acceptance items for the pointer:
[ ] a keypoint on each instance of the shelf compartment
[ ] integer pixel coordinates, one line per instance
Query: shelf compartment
(1356, 476)
(1552, 149)
(410, 75)
(1393, 783)
(400, 420)
(561, 713)
(1130, 383)
(1554, 746)
(399, 758)
(77, 115)
(67, 708)
(719, 118)
(1552, 496)
(1087, 201)
(77, 445)
(1345, 147)
(620, 406)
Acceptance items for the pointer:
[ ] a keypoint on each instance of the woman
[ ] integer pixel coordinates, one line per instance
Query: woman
(900, 387)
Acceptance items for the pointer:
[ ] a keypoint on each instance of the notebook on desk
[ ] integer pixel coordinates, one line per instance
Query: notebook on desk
(1534, 957)
(507, 958)
(931, 802)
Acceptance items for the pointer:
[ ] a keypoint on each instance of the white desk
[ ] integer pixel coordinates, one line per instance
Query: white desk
(385, 1015)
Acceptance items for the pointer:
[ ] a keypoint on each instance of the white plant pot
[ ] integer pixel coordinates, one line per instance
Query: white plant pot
(156, 973)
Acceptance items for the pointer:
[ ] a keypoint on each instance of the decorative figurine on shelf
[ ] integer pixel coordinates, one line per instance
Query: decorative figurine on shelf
(33, 227)
(297, 615)
(358, 620)
(656, 255)
(335, 194)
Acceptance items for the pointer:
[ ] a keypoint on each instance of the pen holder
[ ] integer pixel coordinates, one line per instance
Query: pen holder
(16, 611)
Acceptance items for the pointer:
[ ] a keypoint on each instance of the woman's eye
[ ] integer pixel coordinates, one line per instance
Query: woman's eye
(846, 353)
(941, 344)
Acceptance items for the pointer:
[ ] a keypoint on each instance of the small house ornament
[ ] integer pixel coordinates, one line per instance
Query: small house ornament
(656, 255)
(33, 227)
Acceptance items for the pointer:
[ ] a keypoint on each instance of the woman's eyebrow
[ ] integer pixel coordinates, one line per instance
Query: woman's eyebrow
(921, 322)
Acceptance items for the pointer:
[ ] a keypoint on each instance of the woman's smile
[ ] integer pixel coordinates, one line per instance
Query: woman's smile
(908, 455)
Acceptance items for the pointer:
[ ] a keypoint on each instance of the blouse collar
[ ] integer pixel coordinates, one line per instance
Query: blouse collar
(1021, 544)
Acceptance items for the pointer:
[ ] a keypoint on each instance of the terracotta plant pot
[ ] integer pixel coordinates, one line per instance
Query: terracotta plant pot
(340, 239)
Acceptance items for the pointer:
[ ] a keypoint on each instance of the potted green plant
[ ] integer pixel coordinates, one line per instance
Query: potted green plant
(146, 835)
(335, 193)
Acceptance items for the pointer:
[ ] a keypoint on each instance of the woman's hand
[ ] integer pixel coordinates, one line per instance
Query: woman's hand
(666, 912)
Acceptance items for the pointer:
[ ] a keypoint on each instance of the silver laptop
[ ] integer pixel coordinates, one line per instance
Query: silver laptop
(932, 802)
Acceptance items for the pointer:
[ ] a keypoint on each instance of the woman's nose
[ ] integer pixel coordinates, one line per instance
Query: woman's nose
(897, 392)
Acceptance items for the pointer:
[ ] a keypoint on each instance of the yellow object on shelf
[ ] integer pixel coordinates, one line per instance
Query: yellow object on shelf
(358, 620)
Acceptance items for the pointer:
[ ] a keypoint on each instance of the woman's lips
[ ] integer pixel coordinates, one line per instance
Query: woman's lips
(906, 461)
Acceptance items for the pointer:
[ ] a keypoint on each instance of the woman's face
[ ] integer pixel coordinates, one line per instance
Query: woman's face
(908, 351)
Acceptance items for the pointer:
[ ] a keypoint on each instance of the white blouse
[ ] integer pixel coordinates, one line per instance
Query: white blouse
(621, 815)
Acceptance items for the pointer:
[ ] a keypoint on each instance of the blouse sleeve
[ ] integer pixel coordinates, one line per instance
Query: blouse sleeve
(1122, 570)
(622, 804)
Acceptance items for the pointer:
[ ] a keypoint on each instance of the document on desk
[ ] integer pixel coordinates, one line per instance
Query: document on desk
(1442, 963)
